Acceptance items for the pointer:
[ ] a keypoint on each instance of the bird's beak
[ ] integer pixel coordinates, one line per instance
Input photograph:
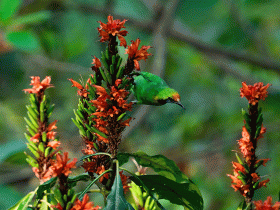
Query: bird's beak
(179, 103)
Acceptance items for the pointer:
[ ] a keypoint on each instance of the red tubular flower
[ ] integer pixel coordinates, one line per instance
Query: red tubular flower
(90, 166)
(54, 144)
(105, 110)
(58, 206)
(124, 182)
(35, 138)
(245, 145)
(39, 86)
(238, 184)
(114, 28)
(60, 165)
(45, 175)
(254, 93)
(84, 204)
(82, 91)
(99, 171)
(267, 204)
(137, 55)
(51, 133)
(96, 64)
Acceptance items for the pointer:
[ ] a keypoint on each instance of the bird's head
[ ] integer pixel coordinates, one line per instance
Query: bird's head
(169, 96)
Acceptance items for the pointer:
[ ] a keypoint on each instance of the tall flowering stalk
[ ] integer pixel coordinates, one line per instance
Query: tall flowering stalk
(41, 138)
(246, 180)
(103, 107)
(46, 162)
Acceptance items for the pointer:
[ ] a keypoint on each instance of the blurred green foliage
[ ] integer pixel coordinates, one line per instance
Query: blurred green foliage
(59, 37)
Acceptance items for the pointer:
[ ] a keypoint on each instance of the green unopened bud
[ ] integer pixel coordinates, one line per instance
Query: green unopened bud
(258, 164)
(238, 158)
(48, 151)
(256, 185)
(34, 152)
(242, 179)
(41, 147)
(44, 136)
(65, 198)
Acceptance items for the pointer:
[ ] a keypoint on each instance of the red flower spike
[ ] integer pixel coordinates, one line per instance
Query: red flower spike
(60, 165)
(84, 204)
(39, 86)
(113, 27)
(267, 204)
(135, 54)
(254, 93)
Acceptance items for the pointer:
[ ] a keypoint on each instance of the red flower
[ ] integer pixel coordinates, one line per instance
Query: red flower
(58, 206)
(124, 182)
(54, 144)
(99, 171)
(137, 55)
(60, 165)
(39, 86)
(246, 145)
(263, 183)
(254, 93)
(96, 64)
(35, 138)
(84, 204)
(45, 175)
(266, 205)
(101, 138)
(238, 184)
(113, 27)
(90, 166)
(264, 161)
(82, 91)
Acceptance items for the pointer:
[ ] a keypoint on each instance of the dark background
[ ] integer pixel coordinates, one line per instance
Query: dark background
(202, 48)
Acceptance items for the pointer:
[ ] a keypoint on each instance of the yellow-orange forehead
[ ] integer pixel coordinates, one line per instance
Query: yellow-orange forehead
(176, 97)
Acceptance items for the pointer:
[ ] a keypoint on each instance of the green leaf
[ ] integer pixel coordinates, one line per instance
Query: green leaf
(8, 8)
(116, 200)
(162, 165)
(123, 158)
(23, 203)
(32, 18)
(45, 186)
(23, 40)
(72, 181)
(185, 194)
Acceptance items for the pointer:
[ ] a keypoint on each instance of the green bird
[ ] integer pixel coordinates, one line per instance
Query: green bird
(150, 89)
